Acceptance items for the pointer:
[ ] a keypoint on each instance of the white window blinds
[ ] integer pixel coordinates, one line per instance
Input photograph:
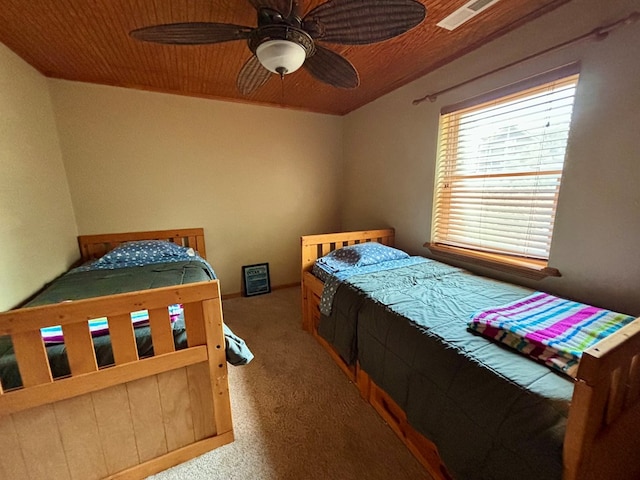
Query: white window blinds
(499, 168)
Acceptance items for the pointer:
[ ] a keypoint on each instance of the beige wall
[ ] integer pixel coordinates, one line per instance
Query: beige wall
(37, 228)
(390, 151)
(255, 178)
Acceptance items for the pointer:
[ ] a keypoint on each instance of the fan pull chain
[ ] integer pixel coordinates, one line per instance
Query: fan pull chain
(282, 87)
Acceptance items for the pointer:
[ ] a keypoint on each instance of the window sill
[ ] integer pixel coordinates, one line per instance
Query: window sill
(536, 269)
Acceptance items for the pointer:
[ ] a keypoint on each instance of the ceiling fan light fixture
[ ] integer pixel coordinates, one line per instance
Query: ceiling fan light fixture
(281, 56)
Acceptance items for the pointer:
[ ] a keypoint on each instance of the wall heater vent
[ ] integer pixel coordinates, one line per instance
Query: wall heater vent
(464, 13)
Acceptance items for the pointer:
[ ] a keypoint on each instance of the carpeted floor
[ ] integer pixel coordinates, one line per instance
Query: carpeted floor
(296, 415)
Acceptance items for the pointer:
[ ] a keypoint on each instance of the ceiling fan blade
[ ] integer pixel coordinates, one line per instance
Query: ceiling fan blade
(332, 68)
(252, 76)
(283, 7)
(360, 22)
(193, 33)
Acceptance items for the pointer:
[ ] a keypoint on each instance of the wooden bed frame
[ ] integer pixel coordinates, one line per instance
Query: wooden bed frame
(129, 420)
(603, 429)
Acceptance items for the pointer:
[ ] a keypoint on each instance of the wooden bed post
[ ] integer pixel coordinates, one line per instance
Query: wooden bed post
(199, 246)
(309, 256)
(218, 364)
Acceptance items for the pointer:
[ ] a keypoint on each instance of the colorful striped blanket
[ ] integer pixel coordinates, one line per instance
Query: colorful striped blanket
(549, 329)
(100, 326)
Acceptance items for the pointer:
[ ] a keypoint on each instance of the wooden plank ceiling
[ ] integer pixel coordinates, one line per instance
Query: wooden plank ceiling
(88, 41)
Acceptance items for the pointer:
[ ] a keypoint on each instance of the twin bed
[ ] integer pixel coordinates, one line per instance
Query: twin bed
(159, 395)
(134, 402)
(464, 405)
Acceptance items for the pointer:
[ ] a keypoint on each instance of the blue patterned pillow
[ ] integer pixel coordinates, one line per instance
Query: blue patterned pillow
(359, 255)
(143, 252)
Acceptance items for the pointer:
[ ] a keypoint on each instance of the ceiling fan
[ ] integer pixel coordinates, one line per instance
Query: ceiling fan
(284, 40)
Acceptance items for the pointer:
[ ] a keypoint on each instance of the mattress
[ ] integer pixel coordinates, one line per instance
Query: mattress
(493, 413)
(80, 283)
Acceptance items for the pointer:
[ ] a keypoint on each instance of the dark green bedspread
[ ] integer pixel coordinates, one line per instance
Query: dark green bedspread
(96, 283)
(493, 413)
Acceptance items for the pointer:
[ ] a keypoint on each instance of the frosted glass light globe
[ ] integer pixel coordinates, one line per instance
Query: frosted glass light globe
(281, 56)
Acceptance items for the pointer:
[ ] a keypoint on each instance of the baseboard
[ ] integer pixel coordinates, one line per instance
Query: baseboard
(276, 287)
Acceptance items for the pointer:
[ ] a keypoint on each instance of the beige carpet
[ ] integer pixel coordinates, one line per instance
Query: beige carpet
(296, 415)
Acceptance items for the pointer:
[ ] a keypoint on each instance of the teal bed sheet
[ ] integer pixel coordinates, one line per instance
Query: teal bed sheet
(493, 413)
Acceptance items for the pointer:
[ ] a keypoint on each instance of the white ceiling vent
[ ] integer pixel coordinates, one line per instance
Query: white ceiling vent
(464, 13)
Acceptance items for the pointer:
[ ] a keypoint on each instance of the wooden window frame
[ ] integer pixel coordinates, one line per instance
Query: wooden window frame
(514, 264)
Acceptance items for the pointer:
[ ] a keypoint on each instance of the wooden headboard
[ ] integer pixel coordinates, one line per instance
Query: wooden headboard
(315, 246)
(95, 246)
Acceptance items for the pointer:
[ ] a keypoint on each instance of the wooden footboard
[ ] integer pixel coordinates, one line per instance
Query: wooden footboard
(128, 420)
(603, 431)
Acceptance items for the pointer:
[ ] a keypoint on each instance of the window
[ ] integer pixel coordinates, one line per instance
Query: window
(499, 169)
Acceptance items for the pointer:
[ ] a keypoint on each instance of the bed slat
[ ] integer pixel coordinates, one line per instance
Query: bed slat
(201, 400)
(32, 358)
(200, 246)
(634, 381)
(194, 321)
(34, 443)
(176, 408)
(11, 466)
(113, 416)
(617, 394)
(88, 462)
(123, 340)
(79, 346)
(146, 414)
(161, 331)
